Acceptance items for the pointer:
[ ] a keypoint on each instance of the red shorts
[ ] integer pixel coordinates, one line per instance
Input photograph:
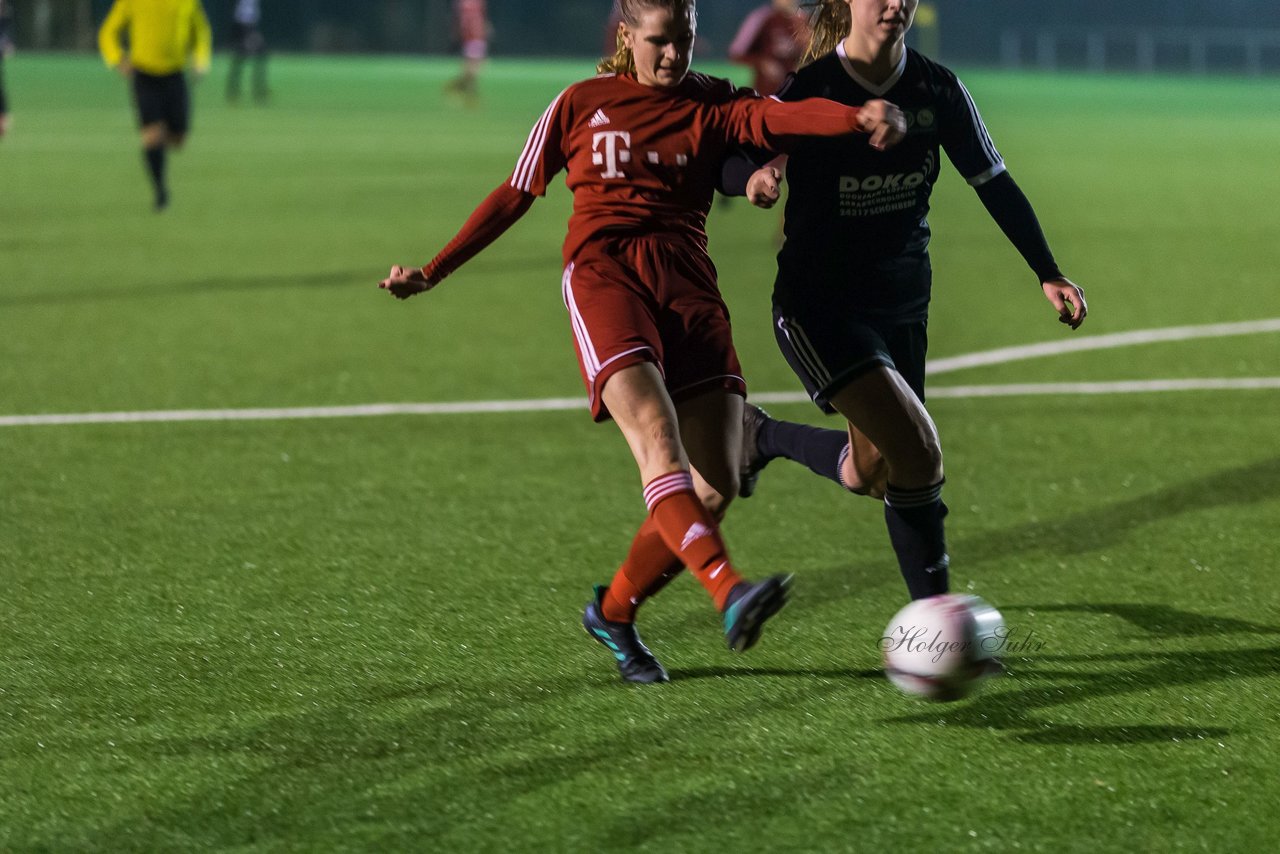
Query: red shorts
(649, 299)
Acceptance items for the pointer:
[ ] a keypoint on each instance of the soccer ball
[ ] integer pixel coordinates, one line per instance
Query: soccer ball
(943, 647)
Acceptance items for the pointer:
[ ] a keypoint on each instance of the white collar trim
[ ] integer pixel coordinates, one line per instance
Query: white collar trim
(873, 88)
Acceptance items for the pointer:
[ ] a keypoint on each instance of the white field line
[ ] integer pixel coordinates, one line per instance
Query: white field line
(955, 363)
(1099, 342)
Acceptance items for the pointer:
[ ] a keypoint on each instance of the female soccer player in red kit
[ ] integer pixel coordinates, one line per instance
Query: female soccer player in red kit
(471, 20)
(641, 143)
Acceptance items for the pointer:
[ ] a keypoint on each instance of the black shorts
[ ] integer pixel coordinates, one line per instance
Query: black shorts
(828, 349)
(162, 99)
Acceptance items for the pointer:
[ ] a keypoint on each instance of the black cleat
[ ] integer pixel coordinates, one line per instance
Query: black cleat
(752, 461)
(635, 662)
(162, 200)
(749, 606)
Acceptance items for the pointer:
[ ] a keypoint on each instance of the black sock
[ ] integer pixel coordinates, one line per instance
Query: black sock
(914, 518)
(820, 449)
(155, 166)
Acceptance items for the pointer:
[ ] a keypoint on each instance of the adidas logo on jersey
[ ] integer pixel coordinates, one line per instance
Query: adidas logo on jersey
(597, 119)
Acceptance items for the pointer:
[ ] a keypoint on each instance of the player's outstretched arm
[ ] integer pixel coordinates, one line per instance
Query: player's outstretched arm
(1067, 298)
(498, 212)
(766, 123)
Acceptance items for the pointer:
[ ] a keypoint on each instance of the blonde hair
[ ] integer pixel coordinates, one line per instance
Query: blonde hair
(829, 21)
(622, 62)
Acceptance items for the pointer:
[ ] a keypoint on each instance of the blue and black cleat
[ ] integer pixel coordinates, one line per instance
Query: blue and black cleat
(749, 606)
(635, 662)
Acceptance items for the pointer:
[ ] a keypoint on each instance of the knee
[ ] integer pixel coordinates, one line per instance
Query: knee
(909, 464)
(717, 503)
(863, 476)
(933, 459)
(923, 466)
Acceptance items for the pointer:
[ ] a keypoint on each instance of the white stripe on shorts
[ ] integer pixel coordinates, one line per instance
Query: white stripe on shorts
(590, 358)
(805, 352)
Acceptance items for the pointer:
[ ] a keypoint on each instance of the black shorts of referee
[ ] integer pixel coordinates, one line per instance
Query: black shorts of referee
(163, 98)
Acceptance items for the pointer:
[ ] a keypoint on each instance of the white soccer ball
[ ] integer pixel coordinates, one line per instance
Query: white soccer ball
(943, 647)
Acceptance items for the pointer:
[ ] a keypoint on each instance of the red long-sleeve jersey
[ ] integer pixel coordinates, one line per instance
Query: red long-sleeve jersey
(640, 159)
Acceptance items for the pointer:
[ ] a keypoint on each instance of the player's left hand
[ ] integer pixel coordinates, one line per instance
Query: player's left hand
(404, 282)
(1068, 299)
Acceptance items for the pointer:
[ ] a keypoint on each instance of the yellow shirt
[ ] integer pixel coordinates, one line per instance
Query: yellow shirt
(161, 35)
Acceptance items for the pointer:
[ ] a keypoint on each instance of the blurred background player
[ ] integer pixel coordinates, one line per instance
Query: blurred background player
(771, 40)
(163, 35)
(611, 30)
(248, 46)
(471, 21)
(5, 47)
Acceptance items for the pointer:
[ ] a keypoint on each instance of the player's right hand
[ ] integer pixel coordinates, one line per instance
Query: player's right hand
(404, 282)
(885, 123)
(762, 187)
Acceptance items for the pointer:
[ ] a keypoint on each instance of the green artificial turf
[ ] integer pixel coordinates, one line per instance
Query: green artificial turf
(362, 633)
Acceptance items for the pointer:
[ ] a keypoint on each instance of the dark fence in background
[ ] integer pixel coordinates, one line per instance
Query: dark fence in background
(1236, 36)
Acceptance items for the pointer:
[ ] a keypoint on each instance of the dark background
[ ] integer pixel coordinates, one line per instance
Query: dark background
(1227, 35)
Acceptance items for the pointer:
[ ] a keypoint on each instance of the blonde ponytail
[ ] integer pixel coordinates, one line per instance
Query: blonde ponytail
(830, 22)
(622, 62)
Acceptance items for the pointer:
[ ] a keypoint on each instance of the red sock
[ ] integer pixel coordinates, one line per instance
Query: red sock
(649, 566)
(690, 532)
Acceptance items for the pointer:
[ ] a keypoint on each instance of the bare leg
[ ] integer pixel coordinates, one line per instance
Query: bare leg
(638, 401)
(711, 428)
(883, 410)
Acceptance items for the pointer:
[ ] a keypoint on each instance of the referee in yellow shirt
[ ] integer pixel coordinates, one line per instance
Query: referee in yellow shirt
(162, 36)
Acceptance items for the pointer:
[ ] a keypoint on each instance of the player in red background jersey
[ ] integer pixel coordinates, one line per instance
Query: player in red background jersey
(771, 40)
(471, 21)
(611, 30)
(641, 144)
(4, 50)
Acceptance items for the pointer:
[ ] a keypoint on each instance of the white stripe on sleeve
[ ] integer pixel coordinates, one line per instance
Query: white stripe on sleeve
(522, 178)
